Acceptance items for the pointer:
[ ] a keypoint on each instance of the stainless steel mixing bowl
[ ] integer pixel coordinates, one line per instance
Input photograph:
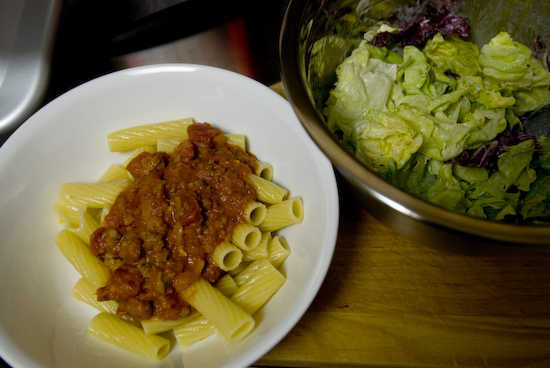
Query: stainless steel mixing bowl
(307, 20)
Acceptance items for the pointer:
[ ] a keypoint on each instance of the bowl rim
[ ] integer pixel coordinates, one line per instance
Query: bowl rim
(350, 168)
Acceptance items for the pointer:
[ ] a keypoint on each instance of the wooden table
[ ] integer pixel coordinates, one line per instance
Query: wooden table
(389, 302)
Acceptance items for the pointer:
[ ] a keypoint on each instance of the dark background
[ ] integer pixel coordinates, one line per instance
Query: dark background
(239, 35)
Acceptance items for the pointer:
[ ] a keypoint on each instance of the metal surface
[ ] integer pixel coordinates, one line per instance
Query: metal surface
(428, 224)
(27, 30)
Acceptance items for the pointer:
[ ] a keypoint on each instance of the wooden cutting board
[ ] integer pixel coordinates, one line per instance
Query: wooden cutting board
(388, 301)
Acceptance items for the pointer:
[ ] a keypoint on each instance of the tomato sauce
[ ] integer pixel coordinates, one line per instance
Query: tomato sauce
(161, 231)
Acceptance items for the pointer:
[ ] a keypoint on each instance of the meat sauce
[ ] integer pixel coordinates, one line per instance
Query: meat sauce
(161, 231)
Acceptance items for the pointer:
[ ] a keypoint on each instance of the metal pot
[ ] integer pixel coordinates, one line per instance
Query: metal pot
(307, 20)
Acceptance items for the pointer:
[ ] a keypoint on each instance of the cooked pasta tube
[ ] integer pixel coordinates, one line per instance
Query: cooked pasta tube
(68, 211)
(92, 195)
(226, 285)
(104, 212)
(264, 170)
(169, 144)
(129, 337)
(285, 213)
(88, 225)
(260, 252)
(259, 288)
(227, 256)
(82, 259)
(113, 174)
(245, 274)
(193, 331)
(155, 326)
(84, 292)
(278, 251)
(229, 319)
(246, 236)
(267, 191)
(239, 269)
(238, 140)
(146, 135)
(255, 213)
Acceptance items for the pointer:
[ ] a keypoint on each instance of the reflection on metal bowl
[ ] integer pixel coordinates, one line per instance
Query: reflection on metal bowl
(305, 22)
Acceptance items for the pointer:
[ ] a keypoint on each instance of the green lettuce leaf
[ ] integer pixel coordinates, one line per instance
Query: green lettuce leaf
(512, 64)
(536, 203)
(452, 54)
(530, 100)
(383, 53)
(385, 141)
(447, 191)
(414, 73)
(514, 164)
(415, 176)
(507, 61)
(362, 83)
(543, 160)
(485, 126)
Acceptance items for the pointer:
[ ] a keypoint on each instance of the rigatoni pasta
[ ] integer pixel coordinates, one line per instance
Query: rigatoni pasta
(267, 191)
(260, 251)
(127, 336)
(283, 214)
(255, 213)
(238, 140)
(264, 170)
(232, 322)
(113, 174)
(246, 236)
(193, 331)
(97, 238)
(227, 256)
(84, 292)
(155, 326)
(226, 285)
(81, 258)
(278, 251)
(88, 224)
(258, 288)
(146, 135)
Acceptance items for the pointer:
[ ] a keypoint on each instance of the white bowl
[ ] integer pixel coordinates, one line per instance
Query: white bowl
(40, 324)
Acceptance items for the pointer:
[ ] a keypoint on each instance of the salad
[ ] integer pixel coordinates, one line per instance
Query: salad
(422, 106)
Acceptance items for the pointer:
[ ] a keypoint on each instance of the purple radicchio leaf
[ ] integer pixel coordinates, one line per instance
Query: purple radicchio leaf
(384, 38)
(447, 24)
(480, 157)
(541, 52)
(490, 151)
(514, 136)
(421, 23)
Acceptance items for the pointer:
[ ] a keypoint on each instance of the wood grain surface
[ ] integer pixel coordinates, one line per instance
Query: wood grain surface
(389, 302)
